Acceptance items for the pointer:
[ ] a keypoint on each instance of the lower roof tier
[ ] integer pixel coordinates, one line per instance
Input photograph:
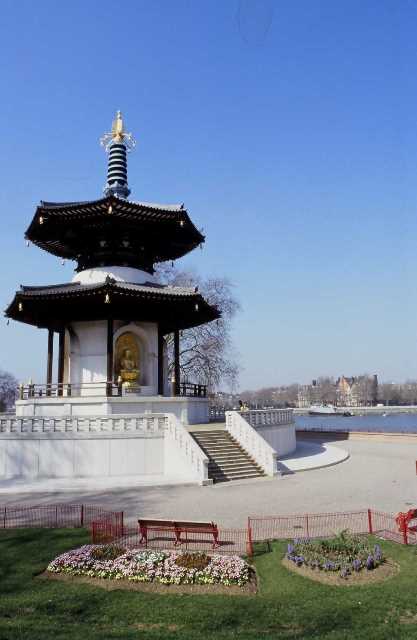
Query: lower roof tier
(56, 306)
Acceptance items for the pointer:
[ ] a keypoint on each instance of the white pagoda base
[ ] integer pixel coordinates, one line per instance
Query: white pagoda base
(148, 446)
(188, 410)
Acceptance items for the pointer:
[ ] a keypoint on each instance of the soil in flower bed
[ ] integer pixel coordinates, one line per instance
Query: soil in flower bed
(386, 570)
(249, 589)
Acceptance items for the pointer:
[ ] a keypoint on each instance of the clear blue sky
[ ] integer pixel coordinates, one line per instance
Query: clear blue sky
(289, 129)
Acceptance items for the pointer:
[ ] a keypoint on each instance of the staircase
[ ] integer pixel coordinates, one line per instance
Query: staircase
(227, 459)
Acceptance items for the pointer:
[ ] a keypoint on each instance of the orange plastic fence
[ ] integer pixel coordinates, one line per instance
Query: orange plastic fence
(55, 515)
(315, 525)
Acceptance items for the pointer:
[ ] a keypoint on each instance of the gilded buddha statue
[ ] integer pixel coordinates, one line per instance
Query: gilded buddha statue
(128, 369)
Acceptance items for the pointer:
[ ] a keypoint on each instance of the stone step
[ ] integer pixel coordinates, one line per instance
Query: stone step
(224, 448)
(210, 434)
(229, 477)
(233, 464)
(214, 440)
(233, 457)
(227, 459)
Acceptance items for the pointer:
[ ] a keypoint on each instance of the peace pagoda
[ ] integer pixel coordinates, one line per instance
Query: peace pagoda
(113, 317)
(118, 412)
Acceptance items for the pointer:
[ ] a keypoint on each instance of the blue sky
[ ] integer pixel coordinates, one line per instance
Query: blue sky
(289, 129)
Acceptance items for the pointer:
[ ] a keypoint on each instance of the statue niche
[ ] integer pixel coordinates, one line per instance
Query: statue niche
(127, 359)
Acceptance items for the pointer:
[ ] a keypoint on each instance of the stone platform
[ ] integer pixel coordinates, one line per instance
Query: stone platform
(311, 455)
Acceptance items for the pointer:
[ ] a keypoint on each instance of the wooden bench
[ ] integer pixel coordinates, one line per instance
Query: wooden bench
(178, 528)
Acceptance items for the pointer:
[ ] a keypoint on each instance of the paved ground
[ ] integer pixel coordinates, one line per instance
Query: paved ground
(311, 455)
(379, 473)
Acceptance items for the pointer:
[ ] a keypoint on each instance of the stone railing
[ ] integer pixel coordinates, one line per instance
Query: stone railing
(182, 453)
(148, 423)
(263, 417)
(241, 430)
(276, 426)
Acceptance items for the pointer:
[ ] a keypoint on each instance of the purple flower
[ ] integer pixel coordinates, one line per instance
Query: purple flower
(357, 564)
(370, 563)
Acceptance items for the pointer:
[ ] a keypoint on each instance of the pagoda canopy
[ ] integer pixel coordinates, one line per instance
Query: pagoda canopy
(114, 231)
(173, 308)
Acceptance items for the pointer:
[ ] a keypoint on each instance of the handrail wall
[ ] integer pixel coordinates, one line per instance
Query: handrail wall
(257, 447)
(180, 441)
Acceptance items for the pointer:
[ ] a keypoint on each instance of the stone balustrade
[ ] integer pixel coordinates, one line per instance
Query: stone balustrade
(119, 423)
(260, 417)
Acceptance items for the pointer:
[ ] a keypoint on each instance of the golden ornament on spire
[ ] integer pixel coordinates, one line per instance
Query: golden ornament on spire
(118, 134)
(117, 127)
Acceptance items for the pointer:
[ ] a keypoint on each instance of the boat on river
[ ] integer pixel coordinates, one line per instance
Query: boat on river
(326, 410)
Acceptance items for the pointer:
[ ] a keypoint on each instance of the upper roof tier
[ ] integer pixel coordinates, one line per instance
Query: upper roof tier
(114, 231)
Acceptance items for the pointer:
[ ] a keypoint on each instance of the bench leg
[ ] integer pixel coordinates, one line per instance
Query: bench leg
(216, 539)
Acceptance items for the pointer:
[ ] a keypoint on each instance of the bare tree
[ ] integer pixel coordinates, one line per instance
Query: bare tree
(8, 390)
(327, 390)
(207, 355)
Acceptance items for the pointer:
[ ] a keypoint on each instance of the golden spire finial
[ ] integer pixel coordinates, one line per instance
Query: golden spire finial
(117, 127)
(118, 134)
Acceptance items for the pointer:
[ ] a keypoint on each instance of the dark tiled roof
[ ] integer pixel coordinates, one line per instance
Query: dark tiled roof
(146, 205)
(74, 230)
(58, 305)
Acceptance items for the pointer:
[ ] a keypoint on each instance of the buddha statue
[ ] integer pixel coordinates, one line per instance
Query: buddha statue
(129, 371)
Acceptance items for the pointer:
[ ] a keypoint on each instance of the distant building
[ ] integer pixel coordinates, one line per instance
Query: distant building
(357, 391)
(309, 394)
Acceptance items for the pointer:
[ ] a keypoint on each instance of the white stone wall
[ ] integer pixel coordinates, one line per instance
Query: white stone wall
(77, 456)
(280, 437)
(147, 445)
(187, 410)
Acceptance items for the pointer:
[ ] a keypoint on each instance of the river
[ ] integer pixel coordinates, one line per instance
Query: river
(392, 423)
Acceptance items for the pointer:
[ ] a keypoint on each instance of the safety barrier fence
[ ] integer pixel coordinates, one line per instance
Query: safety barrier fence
(52, 516)
(108, 526)
(322, 525)
(230, 541)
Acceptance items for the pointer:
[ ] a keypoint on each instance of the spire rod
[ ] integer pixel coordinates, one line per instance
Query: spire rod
(117, 143)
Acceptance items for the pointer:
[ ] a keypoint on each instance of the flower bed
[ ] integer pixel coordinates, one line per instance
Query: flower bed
(344, 554)
(99, 561)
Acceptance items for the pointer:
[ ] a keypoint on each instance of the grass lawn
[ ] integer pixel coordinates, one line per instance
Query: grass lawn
(287, 605)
